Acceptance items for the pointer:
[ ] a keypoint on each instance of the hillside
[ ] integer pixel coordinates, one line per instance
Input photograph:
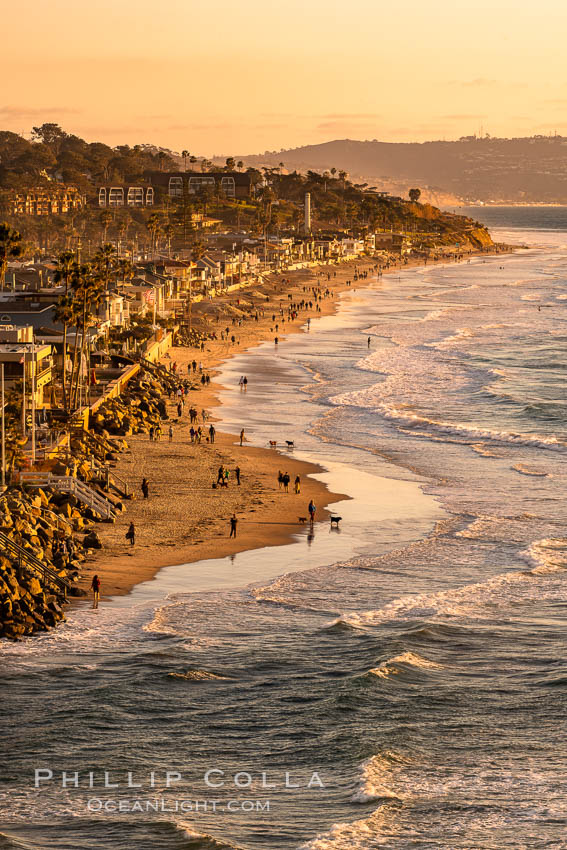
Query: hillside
(524, 170)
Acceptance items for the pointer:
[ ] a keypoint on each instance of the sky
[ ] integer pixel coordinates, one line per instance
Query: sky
(234, 78)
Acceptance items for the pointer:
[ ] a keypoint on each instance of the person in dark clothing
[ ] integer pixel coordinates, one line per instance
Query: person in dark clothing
(95, 587)
(285, 480)
(212, 433)
(131, 534)
(233, 524)
(220, 476)
(237, 473)
(145, 488)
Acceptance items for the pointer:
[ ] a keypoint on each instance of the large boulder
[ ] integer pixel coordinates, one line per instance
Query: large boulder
(92, 541)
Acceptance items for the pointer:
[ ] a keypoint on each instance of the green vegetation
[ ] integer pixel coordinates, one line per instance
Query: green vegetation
(275, 207)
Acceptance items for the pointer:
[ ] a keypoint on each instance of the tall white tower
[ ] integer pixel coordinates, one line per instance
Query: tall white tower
(308, 212)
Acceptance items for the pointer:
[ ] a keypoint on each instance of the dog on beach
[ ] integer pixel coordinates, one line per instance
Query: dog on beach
(335, 520)
(302, 519)
(289, 444)
(273, 444)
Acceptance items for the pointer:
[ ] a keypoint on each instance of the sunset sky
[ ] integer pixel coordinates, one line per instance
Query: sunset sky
(220, 77)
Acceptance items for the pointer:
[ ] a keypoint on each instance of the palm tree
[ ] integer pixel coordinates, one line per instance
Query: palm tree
(230, 163)
(192, 159)
(89, 288)
(64, 310)
(10, 246)
(105, 219)
(185, 154)
(154, 228)
(240, 165)
(168, 231)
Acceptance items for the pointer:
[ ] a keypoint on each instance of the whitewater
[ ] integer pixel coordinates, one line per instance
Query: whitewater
(415, 659)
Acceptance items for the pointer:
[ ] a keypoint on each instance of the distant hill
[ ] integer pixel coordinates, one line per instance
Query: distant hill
(525, 170)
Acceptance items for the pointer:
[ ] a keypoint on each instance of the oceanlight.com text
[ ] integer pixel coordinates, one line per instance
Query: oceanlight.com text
(160, 805)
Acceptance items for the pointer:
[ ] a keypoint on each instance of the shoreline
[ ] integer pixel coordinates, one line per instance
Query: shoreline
(193, 525)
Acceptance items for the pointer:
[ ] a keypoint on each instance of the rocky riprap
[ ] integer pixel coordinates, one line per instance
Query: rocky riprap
(53, 529)
(141, 405)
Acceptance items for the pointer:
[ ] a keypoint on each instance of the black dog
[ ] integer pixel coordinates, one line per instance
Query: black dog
(335, 520)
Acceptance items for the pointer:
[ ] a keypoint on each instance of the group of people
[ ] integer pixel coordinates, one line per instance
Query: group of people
(223, 476)
(243, 382)
(284, 480)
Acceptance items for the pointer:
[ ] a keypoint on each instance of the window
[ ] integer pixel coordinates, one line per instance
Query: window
(116, 197)
(176, 187)
(102, 197)
(197, 183)
(150, 196)
(227, 185)
(135, 196)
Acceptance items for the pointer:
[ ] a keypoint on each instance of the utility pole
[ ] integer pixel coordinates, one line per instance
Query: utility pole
(33, 401)
(24, 395)
(3, 433)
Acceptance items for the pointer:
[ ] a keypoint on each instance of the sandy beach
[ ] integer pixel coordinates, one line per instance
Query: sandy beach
(185, 519)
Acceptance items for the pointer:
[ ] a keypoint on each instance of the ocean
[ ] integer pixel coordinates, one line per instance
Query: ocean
(399, 683)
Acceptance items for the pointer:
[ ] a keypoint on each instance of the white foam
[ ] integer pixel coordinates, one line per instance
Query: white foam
(477, 601)
(391, 666)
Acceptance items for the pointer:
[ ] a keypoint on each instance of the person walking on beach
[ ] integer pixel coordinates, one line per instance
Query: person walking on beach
(297, 485)
(241, 382)
(245, 383)
(131, 534)
(233, 524)
(237, 473)
(286, 482)
(280, 479)
(368, 342)
(145, 488)
(95, 587)
(242, 436)
(212, 433)
(170, 433)
(311, 508)
(220, 475)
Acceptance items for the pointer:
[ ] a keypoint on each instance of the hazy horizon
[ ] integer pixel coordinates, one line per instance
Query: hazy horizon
(215, 80)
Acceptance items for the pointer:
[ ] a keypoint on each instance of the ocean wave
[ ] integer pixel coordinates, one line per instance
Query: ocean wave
(477, 601)
(363, 834)
(11, 842)
(548, 555)
(414, 420)
(391, 667)
(526, 470)
(202, 840)
(198, 676)
(375, 772)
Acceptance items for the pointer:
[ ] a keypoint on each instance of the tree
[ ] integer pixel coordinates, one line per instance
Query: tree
(10, 246)
(240, 165)
(197, 250)
(192, 159)
(154, 227)
(88, 290)
(64, 311)
(105, 220)
(51, 135)
(185, 154)
(230, 163)
(414, 195)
